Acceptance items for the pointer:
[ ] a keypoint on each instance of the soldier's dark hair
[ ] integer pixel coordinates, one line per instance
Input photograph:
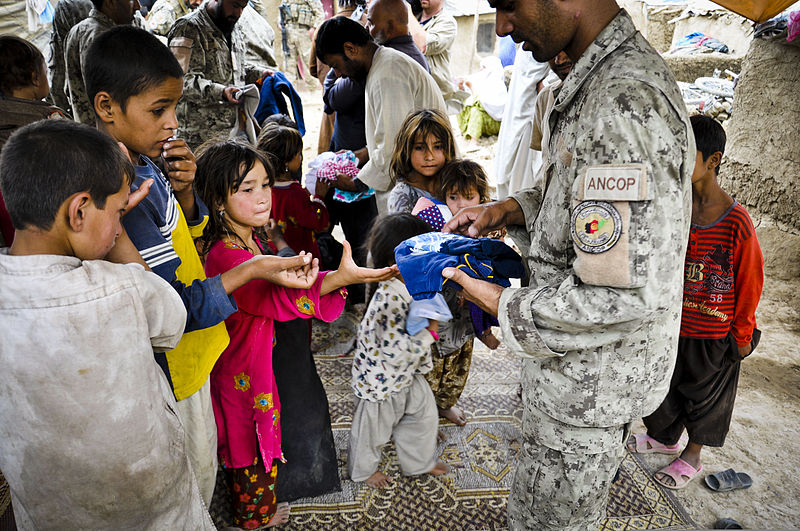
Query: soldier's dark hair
(709, 136)
(221, 168)
(463, 176)
(46, 162)
(125, 61)
(98, 4)
(390, 231)
(20, 61)
(336, 31)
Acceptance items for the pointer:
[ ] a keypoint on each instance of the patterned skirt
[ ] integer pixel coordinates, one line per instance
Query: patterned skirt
(252, 490)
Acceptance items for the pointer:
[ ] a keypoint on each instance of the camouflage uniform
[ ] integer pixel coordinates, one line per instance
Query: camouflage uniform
(164, 13)
(305, 15)
(79, 39)
(67, 14)
(259, 37)
(210, 65)
(605, 236)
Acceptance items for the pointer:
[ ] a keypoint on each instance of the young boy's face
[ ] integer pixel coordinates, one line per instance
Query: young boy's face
(707, 167)
(456, 201)
(149, 119)
(102, 226)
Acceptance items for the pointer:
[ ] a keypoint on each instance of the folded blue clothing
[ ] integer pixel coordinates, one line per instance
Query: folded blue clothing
(420, 312)
(422, 258)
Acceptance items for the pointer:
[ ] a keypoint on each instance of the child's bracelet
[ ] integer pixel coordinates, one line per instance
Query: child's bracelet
(435, 335)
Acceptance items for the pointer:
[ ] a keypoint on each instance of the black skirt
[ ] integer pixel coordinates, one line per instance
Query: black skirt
(311, 467)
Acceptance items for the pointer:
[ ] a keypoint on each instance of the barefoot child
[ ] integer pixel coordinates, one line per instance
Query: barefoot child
(298, 213)
(89, 438)
(723, 280)
(423, 145)
(393, 398)
(234, 179)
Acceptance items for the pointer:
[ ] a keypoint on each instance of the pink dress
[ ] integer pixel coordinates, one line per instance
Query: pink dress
(243, 390)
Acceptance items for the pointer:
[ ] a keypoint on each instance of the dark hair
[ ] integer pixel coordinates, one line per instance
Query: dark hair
(221, 168)
(390, 231)
(19, 62)
(280, 119)
(709, 136)
(336, 31)
(281, 142)
(125, 61)
(98, 4)
(461, 176)
(45, 162)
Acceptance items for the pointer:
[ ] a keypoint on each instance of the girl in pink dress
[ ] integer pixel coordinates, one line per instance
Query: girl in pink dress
(234, 180)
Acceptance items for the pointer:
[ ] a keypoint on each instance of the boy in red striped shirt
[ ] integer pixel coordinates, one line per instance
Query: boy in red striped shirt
(723, 280)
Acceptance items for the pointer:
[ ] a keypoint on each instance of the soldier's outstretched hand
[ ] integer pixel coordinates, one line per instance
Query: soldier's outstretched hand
(483, 219)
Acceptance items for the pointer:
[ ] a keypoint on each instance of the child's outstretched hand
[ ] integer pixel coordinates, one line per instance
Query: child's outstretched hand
(298, 272)
(350, 273)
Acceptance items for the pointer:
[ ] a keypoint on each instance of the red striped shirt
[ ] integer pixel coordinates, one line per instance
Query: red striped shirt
(724, 274)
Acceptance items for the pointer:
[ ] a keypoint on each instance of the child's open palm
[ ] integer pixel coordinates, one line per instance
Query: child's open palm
(351, 273)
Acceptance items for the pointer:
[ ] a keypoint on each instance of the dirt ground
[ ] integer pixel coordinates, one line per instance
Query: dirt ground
(765, 422)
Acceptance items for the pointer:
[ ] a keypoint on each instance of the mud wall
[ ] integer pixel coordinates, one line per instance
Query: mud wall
(762, 165)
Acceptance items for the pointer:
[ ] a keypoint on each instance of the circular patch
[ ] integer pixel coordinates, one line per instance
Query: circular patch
(596, 226)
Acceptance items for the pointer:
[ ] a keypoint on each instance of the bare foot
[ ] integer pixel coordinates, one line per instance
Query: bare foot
(439, 468)
(454, 415)
(440, 436)
(281, 515)
(379, 480)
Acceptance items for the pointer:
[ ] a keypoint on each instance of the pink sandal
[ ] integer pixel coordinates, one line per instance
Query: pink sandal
(644, 444)
(681, 473)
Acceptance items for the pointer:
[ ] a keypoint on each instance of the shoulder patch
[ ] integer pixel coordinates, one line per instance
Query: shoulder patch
(596, 226)
(614, 182)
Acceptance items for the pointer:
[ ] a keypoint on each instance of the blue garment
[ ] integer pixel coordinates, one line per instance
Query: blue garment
(507, 51)
(422, 258)
(273, 92)
(420, 312)
(150, 225)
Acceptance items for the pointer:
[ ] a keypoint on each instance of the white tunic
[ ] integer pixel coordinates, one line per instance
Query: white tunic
(396, 86)
(515, 163)
(89, 438)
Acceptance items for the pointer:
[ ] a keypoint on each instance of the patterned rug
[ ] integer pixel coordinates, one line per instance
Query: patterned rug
(482, 456)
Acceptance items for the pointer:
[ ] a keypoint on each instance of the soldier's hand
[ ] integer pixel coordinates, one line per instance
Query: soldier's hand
(230, 94)
(485, 294)
(268, 72)
(483, 219)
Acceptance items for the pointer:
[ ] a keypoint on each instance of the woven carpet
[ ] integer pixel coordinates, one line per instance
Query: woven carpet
(482, 456)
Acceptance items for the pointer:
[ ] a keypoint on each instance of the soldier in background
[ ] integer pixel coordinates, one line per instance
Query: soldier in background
(164, 13)
(604, 236)
(299, 19)
(67, 14)
(211, 48)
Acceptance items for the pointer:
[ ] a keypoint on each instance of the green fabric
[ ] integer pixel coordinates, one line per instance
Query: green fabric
(475, 122)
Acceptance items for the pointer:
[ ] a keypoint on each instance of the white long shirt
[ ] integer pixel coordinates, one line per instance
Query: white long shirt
(89, 437)
(396, 86)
